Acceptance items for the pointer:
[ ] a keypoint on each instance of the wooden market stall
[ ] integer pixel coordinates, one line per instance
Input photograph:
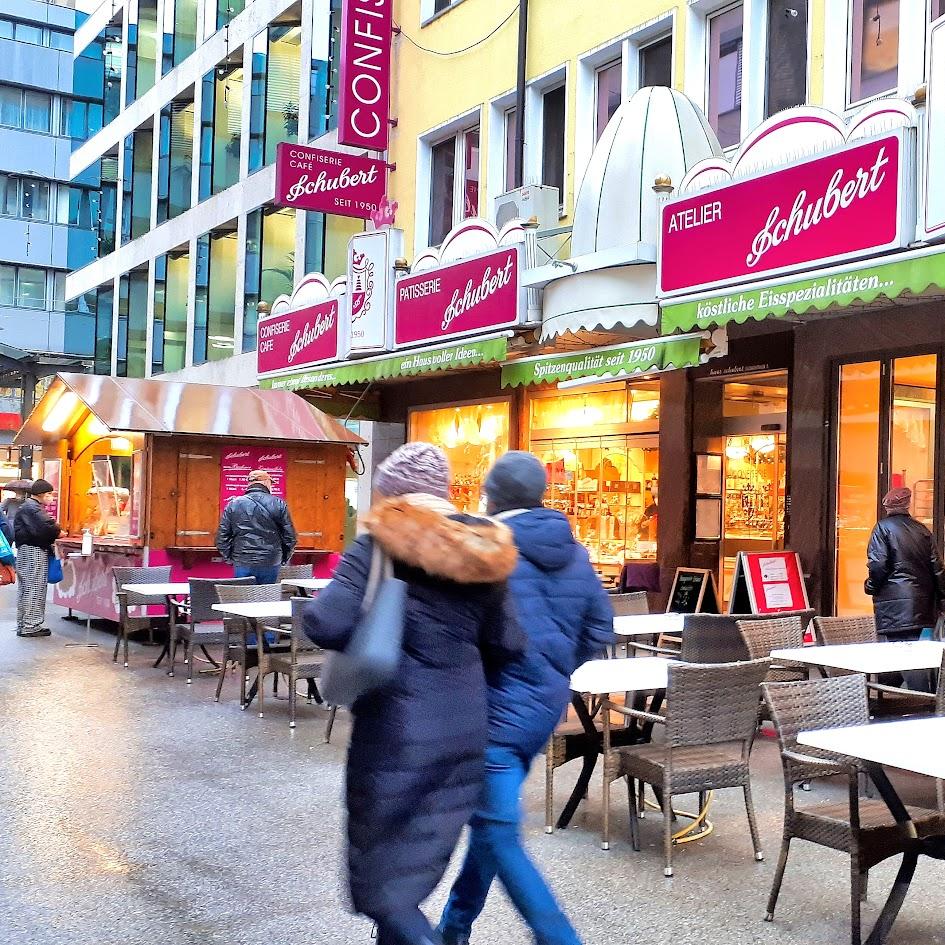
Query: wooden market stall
(147, 466)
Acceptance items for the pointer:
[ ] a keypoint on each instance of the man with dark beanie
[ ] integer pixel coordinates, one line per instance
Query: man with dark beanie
(36, 532)
(566, 615)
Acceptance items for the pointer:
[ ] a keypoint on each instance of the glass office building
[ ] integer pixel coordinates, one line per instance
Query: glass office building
(196, 96)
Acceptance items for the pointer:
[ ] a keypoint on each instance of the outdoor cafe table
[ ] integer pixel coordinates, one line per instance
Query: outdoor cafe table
(307, 584)
(916, 745)
(159, 592)
(868, 658)
(644, 625)
(600, 678)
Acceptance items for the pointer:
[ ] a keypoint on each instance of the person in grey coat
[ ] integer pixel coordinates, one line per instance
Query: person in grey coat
(256, 534)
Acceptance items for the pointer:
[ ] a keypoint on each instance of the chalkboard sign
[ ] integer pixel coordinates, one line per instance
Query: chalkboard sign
(693, 592)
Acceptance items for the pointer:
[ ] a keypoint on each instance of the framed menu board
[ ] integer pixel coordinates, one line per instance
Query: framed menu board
(768, 582)
(693, 592)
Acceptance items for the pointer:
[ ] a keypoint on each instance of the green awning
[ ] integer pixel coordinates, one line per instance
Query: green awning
(638, 357)
(402, 364)
(914, 272)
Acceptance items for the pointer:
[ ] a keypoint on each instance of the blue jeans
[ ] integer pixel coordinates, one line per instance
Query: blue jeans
(496, 852)
(262, 575)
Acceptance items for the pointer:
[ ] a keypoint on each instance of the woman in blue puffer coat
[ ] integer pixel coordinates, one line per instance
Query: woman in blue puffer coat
(416, 759)
(567, 618)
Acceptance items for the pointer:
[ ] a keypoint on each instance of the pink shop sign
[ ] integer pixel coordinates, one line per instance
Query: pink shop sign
(297, 339)
(236, 464)
(364, 96)
(346, 185)
(463, 298)
(844, 205)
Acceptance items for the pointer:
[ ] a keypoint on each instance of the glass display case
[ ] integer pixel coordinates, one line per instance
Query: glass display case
(106, 510)
(754, 487)
(609, 489)
(473, 436)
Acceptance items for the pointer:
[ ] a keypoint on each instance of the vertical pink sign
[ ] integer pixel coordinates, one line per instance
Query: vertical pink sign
(237, 463)
(364, 97)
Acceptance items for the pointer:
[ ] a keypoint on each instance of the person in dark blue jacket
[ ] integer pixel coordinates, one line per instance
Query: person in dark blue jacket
(567, 618)
(416, 759)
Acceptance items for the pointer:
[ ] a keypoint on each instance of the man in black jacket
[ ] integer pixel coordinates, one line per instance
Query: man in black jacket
(256, 534)
(906, 576)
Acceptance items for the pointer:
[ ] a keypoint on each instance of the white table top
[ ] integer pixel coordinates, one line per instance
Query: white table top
(639, 625)
(910, 744)
(307, 584)
(601, 677)
(158, 590)
(257, 610)
(868, 657)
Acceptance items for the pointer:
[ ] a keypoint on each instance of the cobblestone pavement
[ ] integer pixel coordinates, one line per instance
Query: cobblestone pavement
(134, 810)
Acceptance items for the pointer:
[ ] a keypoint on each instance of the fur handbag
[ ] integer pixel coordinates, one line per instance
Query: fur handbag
(371, 658)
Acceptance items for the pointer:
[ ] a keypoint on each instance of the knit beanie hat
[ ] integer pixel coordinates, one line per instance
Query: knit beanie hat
(898, 501)
(41, 487)
(414, 467)
(517, 481)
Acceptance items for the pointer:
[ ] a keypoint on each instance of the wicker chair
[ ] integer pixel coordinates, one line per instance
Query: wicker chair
(763, 636)
(710, 726)
(197, 623)
(290, 572)
(236, 646)
(940, 710)
(128, 624)
(839, 630)
(631, 604)
(864, 829)
(303, 660)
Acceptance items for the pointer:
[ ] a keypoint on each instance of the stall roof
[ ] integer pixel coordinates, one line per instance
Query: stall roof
(166, 407)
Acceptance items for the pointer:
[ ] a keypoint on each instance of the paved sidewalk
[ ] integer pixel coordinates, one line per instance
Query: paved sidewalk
(135, 811)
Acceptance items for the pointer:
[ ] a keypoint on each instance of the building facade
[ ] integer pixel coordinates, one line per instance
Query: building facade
(46, 220)
(198, 94)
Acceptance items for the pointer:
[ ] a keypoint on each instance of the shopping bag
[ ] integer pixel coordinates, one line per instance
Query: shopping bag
(372, 655)
(6, 552)
(7, 575)
(55, 570)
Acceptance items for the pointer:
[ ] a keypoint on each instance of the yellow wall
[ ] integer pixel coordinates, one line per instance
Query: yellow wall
(430, 90)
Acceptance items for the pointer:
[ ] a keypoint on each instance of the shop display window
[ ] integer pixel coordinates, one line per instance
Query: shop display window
(754, 487)
(608, 487)
(582, 411)
(473, 436)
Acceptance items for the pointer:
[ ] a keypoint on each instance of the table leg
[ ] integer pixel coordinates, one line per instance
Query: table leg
(590, 762)
(910, 857)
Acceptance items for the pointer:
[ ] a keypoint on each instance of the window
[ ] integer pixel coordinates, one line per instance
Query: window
(442, 176)
(323, 83)
(510, 149)
(609, 95)
(37, 111)
(80, 120)
(786, 76)
(874, 48)
(552, 139)
(937, 9)
(24, 108)
(175, 160)
(35, 200)
(24, 197)
(29, 33)
(23, 286)
(656, 63)
(6, 29)
(454, 176)
(60, 40)
(725, 75)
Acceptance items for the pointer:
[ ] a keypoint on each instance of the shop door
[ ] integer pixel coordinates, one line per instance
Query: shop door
(886, 436)
(754, 460)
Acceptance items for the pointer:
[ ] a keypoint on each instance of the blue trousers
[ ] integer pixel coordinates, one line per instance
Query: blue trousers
(262, 575)
(496, 852)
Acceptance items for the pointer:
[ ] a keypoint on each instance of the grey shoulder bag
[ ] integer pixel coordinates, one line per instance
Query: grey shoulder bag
(372, 656)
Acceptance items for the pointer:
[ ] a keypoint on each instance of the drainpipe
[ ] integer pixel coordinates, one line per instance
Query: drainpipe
(520, 93)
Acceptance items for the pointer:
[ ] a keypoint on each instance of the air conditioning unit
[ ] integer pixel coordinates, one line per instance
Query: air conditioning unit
(523, 203)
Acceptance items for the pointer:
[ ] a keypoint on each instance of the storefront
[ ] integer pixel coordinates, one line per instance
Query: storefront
(146, 467)
(839, 317)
